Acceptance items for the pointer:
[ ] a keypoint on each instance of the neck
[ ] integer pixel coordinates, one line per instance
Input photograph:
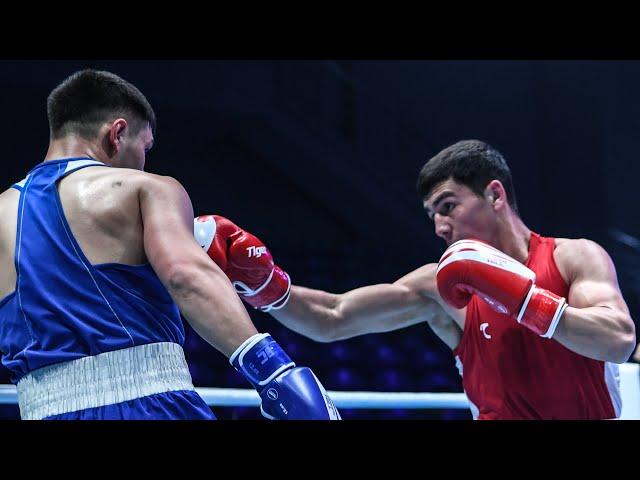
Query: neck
(74, 146)
(513, 237)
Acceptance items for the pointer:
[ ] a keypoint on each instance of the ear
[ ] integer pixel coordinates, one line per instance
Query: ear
(495, 194)
(116, 131)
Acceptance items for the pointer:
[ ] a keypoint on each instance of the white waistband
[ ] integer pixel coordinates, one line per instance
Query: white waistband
(103, 379)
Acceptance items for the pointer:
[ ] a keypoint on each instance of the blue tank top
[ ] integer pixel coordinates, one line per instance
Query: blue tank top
(63, 307)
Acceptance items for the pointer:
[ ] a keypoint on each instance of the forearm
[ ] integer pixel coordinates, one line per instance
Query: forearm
(600, 332)
(328, 317)
(309, 312)
(210, 304)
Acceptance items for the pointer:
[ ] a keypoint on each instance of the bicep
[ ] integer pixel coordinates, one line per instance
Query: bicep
(407, 301)
(403, 305)
(384, 306)
(594, 292)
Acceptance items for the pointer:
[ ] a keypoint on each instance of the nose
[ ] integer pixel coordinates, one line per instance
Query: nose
(443, 229)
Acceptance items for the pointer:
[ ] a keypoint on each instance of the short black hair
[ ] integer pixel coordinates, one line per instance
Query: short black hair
(88, 98)
(469, 162)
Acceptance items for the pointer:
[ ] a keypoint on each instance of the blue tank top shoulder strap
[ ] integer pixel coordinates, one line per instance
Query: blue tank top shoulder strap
(70, 165)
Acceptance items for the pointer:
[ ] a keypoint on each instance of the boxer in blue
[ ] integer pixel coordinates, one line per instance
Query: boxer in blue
(98, 259)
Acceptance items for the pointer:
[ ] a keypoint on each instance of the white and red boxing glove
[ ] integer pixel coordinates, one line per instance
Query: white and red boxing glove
(245, 260)
(471, 267)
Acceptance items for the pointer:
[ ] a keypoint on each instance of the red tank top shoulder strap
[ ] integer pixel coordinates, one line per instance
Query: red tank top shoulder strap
(542, 261)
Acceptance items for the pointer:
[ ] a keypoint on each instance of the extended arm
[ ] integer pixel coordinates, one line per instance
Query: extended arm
(376, 308)
(320, 315)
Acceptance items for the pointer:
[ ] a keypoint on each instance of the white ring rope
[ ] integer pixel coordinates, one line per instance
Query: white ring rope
(236, 397)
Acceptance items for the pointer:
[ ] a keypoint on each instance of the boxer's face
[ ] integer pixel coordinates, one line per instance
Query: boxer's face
(459, 213)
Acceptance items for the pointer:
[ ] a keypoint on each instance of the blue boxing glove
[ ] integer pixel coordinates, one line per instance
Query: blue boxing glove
(287, 392)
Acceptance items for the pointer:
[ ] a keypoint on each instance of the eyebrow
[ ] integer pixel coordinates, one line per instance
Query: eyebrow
(439, 198)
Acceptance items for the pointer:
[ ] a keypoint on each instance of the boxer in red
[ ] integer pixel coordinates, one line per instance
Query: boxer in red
(537, 324)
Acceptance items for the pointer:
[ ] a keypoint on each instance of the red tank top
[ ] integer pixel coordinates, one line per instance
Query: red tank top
(509, 372)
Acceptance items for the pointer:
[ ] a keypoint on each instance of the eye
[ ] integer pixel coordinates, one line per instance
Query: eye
(446, 208)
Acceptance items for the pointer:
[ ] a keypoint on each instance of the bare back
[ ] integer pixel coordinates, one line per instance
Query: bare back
(101, 205)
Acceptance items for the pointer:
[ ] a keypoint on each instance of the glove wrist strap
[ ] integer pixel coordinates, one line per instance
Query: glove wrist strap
(260, 359)
(543, 312)
(263, 297)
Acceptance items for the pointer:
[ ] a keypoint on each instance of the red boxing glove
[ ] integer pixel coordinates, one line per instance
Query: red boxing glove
(245, 260)
(471, 267)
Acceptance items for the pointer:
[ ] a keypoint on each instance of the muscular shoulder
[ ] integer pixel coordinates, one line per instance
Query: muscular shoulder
(8, 198)
(152, 182)
(115, 194)
(135, 182)
(122, 177)
(579, 256)
(573, 250)
(162, 195)
(8, 205)
(422, 282)
(138, 179)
